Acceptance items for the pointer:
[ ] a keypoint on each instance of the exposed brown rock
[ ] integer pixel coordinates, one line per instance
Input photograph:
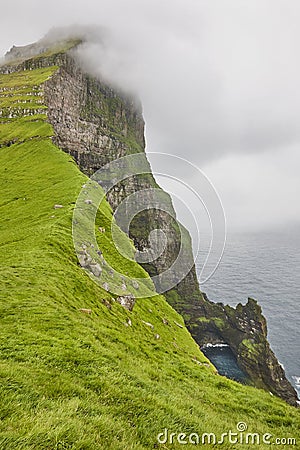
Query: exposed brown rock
(85, 310)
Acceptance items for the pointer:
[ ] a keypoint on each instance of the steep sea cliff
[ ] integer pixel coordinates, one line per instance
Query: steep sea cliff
(96, 123)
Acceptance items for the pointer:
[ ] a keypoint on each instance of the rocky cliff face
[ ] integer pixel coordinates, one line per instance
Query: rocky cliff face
(245, 328)
(97, 124)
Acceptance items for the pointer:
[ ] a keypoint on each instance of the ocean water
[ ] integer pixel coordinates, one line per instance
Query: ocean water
(224, 360)
(265, 266)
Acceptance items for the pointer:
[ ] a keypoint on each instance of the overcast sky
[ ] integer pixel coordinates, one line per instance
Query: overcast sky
(219, 82)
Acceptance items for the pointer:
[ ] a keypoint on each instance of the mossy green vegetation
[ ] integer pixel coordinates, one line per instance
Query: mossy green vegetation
(50, 52)
(20, 130)
(79, 381)
(107, 104)
(26, 79)
(251, 346)
(203, 319)
(21, 95)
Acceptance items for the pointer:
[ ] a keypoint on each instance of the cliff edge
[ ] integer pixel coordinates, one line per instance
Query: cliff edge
(96, 124)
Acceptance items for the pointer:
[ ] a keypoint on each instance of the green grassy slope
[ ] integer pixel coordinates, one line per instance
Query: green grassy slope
(74, 381)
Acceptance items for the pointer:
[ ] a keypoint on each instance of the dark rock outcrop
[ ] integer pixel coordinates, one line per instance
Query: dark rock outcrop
(127, 301)
(245, 329)
(96, 124)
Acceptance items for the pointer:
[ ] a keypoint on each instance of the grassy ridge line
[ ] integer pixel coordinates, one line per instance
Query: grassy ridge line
(41, 51)
(71, 381)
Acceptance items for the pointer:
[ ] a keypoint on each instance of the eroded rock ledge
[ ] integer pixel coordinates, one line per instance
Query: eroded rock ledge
(244, 328)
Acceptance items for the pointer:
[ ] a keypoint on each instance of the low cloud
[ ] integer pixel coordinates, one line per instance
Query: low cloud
(218, 81)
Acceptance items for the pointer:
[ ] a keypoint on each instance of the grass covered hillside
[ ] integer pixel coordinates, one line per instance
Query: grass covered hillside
(70, 380)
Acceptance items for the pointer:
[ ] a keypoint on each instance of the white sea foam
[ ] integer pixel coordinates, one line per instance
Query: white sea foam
(209, 345)
(297, 381)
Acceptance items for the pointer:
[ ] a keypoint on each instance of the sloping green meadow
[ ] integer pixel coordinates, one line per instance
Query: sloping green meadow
(70, 380)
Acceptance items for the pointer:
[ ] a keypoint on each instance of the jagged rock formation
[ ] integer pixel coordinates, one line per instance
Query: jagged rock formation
(245, 328)
(97, 124)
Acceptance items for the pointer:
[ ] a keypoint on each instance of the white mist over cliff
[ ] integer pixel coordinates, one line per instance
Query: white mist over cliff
(218, 82)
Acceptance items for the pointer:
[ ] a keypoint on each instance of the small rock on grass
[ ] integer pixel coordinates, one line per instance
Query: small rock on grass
(85, 311)
(105, 286)
(128, 323)
(96, 269)
(106, 303)
(127, 301)
(135, 284)
(148, 324)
